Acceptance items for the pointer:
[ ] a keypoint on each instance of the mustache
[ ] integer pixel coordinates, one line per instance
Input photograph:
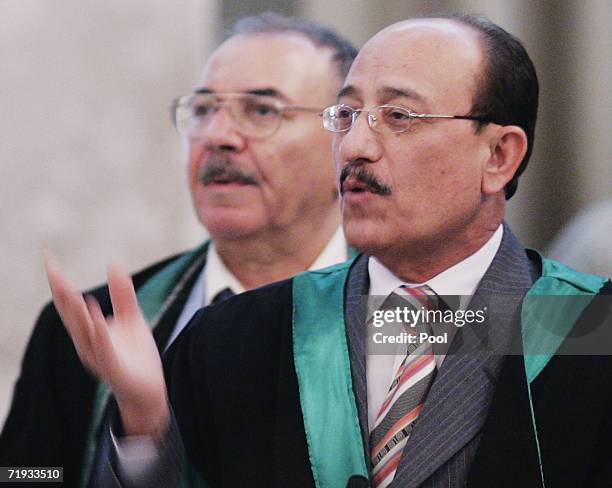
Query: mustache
(222, 168)
(359, 173)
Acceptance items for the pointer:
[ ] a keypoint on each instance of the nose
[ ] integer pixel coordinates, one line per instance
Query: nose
(220, 133)
(359, 143)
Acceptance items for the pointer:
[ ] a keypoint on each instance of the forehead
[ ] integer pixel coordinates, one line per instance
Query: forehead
(285, 62)
(435, 62)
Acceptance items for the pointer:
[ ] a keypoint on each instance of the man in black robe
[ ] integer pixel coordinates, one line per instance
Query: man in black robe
(281, 386)
(262, 181)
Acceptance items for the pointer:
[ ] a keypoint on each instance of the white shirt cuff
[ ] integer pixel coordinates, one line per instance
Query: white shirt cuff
(136, 456)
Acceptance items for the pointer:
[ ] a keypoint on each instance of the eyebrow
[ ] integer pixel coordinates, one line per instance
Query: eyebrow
(385, 93)
(391, 92)
(263, 92)
(346, 91)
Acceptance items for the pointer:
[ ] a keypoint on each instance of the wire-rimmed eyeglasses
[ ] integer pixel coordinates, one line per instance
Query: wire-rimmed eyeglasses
(254, 115)
(382, 119)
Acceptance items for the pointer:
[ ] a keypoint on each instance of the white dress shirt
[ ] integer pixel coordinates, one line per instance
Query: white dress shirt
(462, 279)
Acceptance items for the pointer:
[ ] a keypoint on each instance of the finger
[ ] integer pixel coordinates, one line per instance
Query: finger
(71, 309)
(123, 296)
(104, 350)
(61, 289)
(65, 297)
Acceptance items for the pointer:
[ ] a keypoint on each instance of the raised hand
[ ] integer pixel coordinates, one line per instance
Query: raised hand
(120, 350)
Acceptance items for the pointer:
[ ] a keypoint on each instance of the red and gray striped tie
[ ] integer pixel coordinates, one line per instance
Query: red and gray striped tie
(406, 395)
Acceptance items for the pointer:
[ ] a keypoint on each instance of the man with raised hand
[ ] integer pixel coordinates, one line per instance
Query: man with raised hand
(285, 386)
(262, 180)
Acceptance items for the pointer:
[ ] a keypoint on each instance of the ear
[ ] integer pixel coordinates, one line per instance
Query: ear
(507, 149)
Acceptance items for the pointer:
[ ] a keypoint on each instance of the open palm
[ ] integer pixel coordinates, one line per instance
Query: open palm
(120, 350)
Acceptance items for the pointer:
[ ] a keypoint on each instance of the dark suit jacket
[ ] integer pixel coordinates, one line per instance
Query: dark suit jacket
(53, 399)
(234, 393)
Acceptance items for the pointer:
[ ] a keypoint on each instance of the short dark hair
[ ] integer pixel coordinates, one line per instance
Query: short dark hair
(507, 92)
(272, 23)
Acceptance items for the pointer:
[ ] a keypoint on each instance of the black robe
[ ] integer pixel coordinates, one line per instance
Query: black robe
(234, 393)
(50, 413)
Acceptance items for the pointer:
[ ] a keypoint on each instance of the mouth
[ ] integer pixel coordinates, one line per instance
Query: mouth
(353, 186)
(222, 180)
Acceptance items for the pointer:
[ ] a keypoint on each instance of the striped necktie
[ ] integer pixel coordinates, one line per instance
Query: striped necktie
(406, 396)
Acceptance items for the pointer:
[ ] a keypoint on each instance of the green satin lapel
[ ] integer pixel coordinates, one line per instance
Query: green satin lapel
(323, 370)
(546, 322)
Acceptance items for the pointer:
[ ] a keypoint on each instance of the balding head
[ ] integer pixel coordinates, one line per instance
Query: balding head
(445, 56)
(507, 86)
(444, 178)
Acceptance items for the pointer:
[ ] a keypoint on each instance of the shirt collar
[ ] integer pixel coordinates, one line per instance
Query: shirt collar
(333, 253)
(216, 276)
(460, 279)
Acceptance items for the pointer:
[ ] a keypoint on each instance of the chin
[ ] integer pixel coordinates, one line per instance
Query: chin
(364, 236)
(224, 225)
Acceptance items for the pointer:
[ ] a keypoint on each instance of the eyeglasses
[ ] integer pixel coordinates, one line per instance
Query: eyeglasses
(382, 119)
(254, 115)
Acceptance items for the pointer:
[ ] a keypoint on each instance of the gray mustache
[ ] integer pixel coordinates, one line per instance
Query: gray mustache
(215, 169)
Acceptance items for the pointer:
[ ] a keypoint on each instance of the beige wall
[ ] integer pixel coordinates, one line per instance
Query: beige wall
(92, 169)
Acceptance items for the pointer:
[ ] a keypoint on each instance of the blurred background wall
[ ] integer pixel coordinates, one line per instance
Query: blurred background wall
(92, 170)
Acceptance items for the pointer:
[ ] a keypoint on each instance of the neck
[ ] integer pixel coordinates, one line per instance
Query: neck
(419, 262)
(261, 259)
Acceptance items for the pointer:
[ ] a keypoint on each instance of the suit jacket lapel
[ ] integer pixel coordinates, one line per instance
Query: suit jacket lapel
(355, 312)
(174, 303)
(459, 399)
